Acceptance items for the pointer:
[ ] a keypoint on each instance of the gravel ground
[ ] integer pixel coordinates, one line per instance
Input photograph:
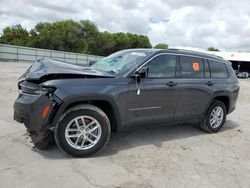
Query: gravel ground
(170, 156)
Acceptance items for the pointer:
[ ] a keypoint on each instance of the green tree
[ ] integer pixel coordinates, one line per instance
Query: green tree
(161, 46)
(63, 35)
(122, 41)
(104, 44)
(69, 35)
(15, 35)
(89, 33)
(107, 43)
(213, 49)
(139, 41)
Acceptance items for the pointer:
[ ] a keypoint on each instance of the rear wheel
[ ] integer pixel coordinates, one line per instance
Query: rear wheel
(215, 117)
(83, 131)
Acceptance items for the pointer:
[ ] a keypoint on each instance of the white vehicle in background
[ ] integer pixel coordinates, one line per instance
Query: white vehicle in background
(243, 75)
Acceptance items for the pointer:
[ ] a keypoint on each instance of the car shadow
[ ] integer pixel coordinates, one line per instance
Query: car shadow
(131, 138)
(151, 135)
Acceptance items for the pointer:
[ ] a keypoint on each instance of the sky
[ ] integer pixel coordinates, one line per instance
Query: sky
(223, 24)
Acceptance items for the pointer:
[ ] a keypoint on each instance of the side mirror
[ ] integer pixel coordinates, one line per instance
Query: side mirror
(142, 73)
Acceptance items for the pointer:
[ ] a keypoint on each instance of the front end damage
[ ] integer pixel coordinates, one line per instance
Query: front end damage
(35, 106)
(36, 103)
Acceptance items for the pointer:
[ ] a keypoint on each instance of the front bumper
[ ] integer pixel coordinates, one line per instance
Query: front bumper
(29, 109)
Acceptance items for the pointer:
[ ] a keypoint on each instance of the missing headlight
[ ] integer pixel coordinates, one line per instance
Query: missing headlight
(34, 89)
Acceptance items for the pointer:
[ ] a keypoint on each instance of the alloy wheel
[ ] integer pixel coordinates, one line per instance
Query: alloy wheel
(216, 117)
(83, 132)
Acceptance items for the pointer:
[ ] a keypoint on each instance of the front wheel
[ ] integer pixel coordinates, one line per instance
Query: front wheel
(215, 117)
(83, 131)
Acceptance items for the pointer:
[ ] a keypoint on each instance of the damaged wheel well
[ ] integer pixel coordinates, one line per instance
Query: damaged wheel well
(105, 106)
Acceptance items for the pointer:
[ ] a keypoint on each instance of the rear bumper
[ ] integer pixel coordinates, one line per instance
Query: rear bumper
(28, 109)
(231, 110)
(233, 100)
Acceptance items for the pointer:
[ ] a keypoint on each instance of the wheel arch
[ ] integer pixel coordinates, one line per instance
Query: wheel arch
(104, 103)
(223, 97)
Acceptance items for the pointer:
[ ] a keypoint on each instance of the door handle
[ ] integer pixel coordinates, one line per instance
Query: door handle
(209, 83)
(171, 84)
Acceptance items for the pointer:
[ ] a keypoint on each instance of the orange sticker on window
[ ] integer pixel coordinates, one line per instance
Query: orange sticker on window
(196, 66)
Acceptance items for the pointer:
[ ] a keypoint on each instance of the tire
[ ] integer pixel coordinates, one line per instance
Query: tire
(207, 124)
(42, 140)
(72, 133)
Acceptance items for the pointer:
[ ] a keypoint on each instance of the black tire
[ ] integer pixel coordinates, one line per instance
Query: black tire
(86, 110)
(42, 140)
(205, 124)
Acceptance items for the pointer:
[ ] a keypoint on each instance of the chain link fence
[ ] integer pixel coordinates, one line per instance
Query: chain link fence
(26, 54)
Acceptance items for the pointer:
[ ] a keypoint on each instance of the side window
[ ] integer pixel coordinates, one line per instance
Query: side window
(162, 66)
(190, 67)
(218, 69)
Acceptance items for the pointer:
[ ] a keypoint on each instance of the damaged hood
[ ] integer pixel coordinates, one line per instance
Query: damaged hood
(48, 69)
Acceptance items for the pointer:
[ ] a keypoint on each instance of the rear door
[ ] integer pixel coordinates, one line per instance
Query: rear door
(157, 99)
(195, 87)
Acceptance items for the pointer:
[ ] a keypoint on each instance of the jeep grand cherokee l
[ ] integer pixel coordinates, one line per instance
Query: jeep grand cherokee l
(81, 106)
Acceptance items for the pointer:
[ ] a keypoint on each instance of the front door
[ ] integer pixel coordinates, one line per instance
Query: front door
(157, 97)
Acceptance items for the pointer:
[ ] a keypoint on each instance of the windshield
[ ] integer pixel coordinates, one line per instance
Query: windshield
(120, 61)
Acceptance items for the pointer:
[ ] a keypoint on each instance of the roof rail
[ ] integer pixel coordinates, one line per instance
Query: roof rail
(192, 51)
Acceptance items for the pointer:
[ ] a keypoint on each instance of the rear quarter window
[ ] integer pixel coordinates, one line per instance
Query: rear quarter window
(218, 69)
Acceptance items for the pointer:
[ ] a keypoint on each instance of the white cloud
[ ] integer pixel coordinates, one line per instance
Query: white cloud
(223, 24)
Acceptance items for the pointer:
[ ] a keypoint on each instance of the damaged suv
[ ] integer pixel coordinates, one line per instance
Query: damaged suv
(81, 106)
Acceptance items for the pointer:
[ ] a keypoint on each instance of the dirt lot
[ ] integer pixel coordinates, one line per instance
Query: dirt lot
(170, 156)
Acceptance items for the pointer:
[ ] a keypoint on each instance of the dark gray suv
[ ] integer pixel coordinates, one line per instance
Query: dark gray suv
(81, 106)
